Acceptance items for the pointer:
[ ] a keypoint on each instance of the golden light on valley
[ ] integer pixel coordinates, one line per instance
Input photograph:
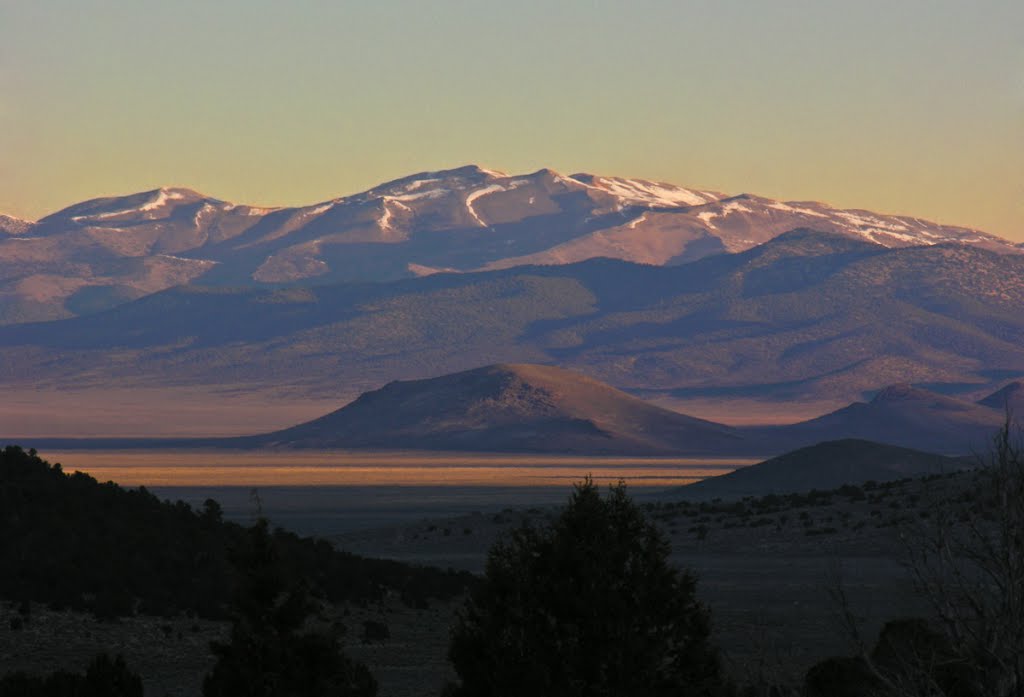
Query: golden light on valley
(349, 468)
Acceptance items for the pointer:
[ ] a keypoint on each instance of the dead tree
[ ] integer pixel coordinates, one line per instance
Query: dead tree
(968, 564)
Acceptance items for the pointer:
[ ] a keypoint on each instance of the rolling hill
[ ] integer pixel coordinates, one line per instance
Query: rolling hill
(823, 466)
(900, 415)
(1009, 398)
(100, 253)
(503, 408)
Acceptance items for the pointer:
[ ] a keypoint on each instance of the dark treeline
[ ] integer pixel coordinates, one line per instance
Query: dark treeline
(71, 542)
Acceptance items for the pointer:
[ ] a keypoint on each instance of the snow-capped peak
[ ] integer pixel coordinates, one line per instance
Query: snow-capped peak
(13, 227)
(162, 196)
(647, 193)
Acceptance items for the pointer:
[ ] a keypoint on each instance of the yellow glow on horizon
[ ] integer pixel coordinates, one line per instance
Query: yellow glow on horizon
(361, 468)
(913, 108)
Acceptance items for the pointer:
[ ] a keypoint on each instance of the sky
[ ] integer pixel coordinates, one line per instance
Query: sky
(902, 106)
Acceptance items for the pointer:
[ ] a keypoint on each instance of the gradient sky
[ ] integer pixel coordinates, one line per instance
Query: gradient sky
(900, 106)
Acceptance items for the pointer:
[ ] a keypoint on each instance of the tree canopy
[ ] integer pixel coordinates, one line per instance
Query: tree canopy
(588, 605)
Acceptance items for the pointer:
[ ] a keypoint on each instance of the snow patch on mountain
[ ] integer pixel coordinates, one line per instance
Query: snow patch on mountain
(636, 221)
(647, 193)
(161, 199)
(385, 219)
(787, 208)
(201, 262)
(429, 193)
(870, 222)
(204, 209)
(13, 226)
(478, 193)
(157, 200)
(722, 211)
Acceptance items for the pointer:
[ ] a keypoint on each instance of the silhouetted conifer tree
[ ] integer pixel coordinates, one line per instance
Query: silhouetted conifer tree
(271, 653)
(587, 606)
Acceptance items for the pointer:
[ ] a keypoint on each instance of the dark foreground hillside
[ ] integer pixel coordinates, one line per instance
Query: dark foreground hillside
(769, 568)
(75, 543)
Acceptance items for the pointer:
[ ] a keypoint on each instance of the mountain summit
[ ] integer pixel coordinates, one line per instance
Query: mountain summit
(900, 415)
(1010, 397)
(103, 252)
(508, 407)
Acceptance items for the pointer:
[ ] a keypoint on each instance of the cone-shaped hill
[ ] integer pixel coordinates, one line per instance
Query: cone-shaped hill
(901, 415)
(1010, 397)
(508, 408)
(824, 466)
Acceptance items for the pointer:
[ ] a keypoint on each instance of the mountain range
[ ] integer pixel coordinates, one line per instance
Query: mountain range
(100, 253)
(806, 314)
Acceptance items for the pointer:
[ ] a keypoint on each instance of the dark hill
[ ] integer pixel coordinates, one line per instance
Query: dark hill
(899, 415)
(1010, 397)
(71, 542)
(824, 466)
(509, 408)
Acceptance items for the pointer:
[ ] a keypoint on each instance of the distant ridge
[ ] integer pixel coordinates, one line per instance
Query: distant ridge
(823, 466)
(110, 250)
(508, 408)
(806, 315)
(1010, 397)
(902, 415)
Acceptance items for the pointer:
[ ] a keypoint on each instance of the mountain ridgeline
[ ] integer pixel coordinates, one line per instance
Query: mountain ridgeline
(110, 250)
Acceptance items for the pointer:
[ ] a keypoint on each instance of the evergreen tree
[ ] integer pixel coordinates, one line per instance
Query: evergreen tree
(586, 606)
(271, 652)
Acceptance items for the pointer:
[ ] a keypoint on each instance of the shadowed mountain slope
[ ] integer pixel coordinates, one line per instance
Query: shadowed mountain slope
(823, 466)
(901, 415)
(508, 408)
(1009, 398)
(107, 251)
(807, 313)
